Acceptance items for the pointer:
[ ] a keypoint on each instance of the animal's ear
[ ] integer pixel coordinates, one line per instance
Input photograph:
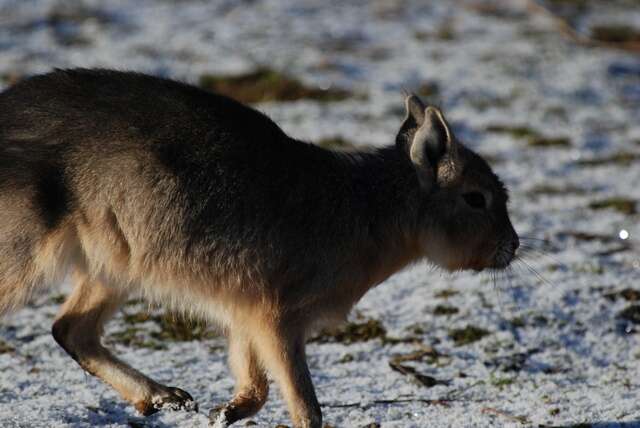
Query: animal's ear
(427, 137)
(414, 117)
(432, 140)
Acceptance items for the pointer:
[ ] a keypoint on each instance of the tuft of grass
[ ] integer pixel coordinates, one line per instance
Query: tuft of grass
(171, 328)
(570, 2)
(353, 332)
(134, 337)
(557, 113)
(444, 32)
(397, 364)
(422, 36)
(482, 102)
(549, 142)
(444, 310)
(631, 313)
(586, 236)
(429, 89)
(623, 205)
(590, 267)
(534, 139)
(628, 294)
(180, 329)
(615, 33)
(547, 189)
(495, 10)
(446, 293)
(58, 299)
(5, 347)
(517, 322)
(514, 131)
(467, 335)
(346, 358)
(265, 84)
(570, 9)
(501, 382)
(513, 362)
(425, 353)
(622, 158)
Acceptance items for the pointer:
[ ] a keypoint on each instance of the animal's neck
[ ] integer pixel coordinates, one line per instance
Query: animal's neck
(389, 199)
(387, 180)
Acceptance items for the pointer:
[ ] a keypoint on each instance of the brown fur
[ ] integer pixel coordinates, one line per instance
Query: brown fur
(205, 206)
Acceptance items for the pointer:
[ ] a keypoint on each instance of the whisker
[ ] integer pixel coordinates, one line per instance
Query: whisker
(498, 291)
(538, 242)
(510, 276)
(517, 272)
(536, 245)
(531, 245)
(525, 250)
(533, 238)
(535, 272)
(520, 270)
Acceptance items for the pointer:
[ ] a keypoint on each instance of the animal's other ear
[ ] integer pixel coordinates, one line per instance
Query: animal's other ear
(414, 117)
(426, 137)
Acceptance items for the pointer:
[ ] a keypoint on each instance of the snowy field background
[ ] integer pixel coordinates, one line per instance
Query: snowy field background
(558, 120)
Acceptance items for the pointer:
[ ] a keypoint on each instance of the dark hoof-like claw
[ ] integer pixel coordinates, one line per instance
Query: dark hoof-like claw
(170, 398)
(220, 417)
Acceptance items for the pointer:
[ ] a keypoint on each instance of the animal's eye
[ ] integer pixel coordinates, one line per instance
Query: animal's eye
(475, 200)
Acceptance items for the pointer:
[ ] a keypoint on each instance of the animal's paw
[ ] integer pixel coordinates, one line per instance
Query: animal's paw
(175, 399)
(220, 417)
(169, 398)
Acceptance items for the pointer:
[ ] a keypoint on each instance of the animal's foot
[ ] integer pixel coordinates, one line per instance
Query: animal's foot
(169, 398)
(222, 416)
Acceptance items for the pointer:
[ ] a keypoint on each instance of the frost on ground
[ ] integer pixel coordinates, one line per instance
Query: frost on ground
(555, 343)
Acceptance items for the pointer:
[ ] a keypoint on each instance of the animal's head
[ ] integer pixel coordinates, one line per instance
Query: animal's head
(464, 204)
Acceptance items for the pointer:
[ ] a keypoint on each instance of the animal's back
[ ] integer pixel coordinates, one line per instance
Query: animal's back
(130, 173)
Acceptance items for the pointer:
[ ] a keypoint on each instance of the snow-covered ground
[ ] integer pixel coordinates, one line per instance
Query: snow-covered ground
(562, 347)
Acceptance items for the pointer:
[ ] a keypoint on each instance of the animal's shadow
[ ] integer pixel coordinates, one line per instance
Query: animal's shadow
(109, 412)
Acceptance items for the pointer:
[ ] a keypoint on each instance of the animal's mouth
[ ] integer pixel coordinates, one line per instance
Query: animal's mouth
(503, 259)
(503, 256)
(501, 265)
(500, 259)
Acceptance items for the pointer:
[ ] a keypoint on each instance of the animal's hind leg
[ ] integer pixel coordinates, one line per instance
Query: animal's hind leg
(252, 387)
(78, 328)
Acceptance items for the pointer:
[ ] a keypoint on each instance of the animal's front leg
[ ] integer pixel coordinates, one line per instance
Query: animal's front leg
(252, 386)
(281, 348)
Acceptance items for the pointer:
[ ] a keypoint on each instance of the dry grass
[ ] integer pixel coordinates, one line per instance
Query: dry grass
(264, 84)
